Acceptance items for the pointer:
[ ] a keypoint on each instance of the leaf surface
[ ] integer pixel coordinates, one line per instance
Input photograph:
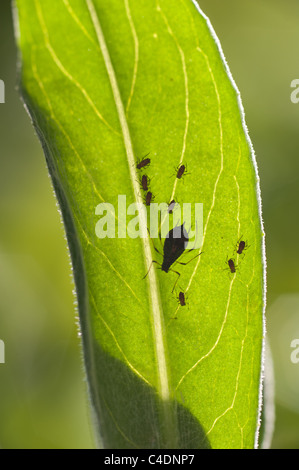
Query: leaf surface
(107, 82)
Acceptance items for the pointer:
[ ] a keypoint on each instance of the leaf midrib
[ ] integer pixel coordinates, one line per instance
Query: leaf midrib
(156, 307)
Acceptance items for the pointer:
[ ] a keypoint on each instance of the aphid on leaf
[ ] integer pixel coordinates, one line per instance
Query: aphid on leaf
(144, 183)
(144, 162)
(180, 171)
(174, 246)
(181, 299)
(149, 197)
(231, 265)
(242, 246)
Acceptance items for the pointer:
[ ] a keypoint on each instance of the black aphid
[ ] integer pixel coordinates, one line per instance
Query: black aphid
(149, 198)
(180, 171)
(175, 244)
(182, 299)
(144, 183)
(232, 266)
(241, 247)
(144, 162)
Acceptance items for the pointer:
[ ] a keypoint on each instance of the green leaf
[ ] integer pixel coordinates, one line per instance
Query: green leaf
(107, 82)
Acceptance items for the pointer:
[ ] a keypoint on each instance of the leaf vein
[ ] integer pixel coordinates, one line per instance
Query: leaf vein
(156, 307)
(79, 23)
(64, 71)
(116, 342)
(221, 164)
(186, 85)
(228, 301)
(136, 52)
(53, 116)
(89, 242)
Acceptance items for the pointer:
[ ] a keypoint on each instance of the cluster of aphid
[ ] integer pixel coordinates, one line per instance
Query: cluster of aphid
(241, 247)
(145, 180)
(177, 238)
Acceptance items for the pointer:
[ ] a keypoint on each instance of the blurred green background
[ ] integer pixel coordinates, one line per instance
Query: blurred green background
(43, 399)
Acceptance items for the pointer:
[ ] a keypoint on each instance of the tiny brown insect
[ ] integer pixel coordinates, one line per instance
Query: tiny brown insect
(180, 171)
(241, 247)
(144, 162)
(149, 198)
(144, 182)
(181, 299)
(232, 266)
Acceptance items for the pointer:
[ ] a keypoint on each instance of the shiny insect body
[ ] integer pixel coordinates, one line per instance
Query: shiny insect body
(144, 182)
(175, 245)
(143, 163)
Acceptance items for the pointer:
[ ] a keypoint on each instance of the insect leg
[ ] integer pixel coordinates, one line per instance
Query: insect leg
(153, 261)
(156, 249)
(184, 264)
(176, 272)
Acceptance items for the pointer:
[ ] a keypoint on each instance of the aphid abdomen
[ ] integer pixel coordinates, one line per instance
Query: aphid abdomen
(241, 247)
(231, 265)
(180, 171)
